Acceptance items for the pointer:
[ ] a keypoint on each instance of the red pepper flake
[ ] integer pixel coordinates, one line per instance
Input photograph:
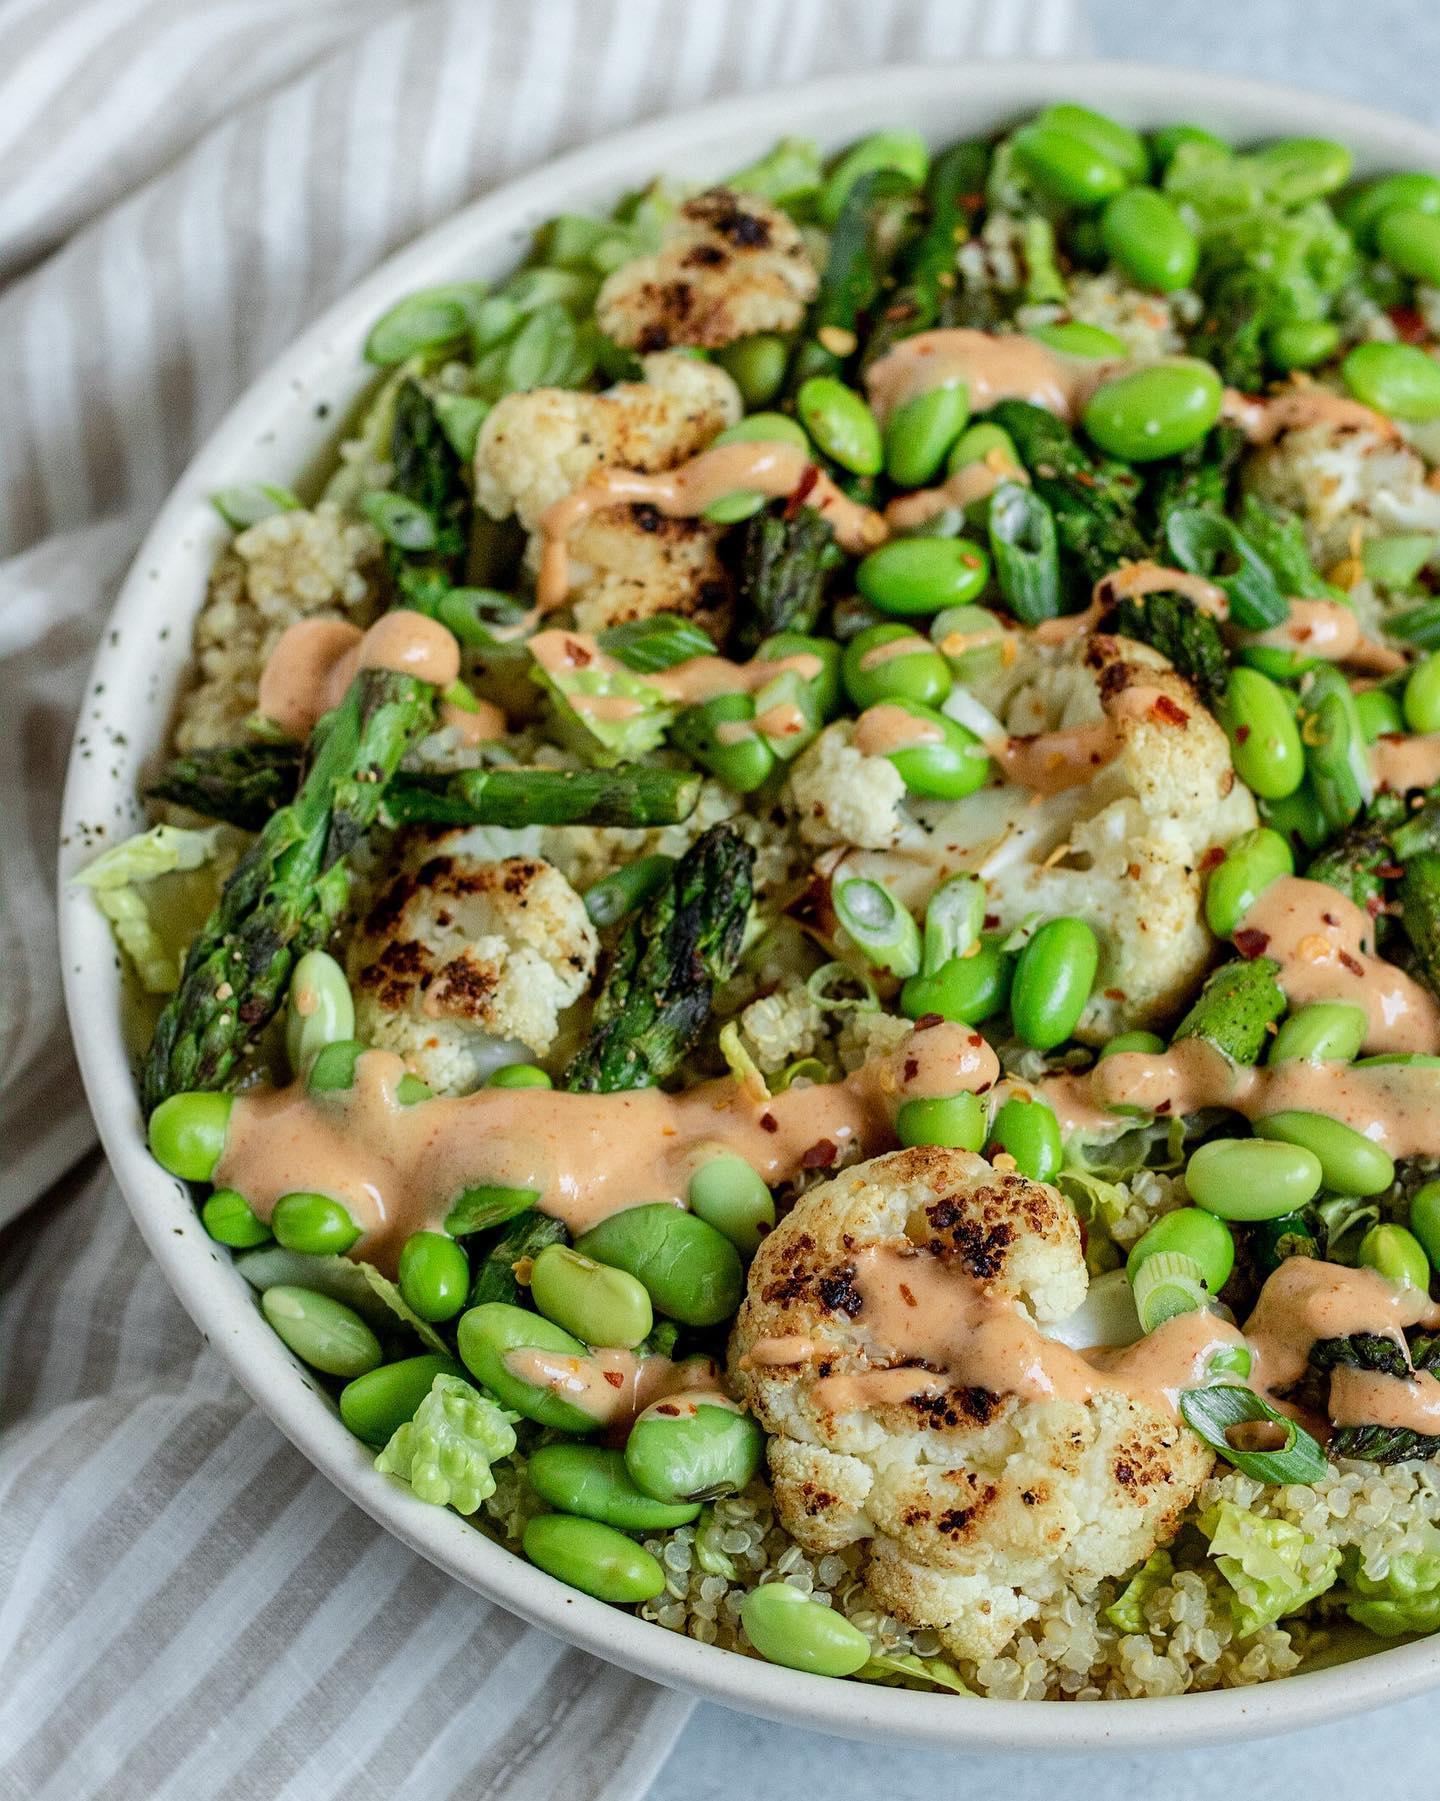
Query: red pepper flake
(1212, 859)
(1114, 994)
(578, 654)
(927, 1020)
(974, 1039)
(1390, 872)
(912, 1069)
(1250, 942)
(670, 1411)
(1374, 906)
(1170, 711)
(1409, 322)
(1330, 919)
(820, 1155)
(1164, 1107)
(769, 1123)
(907, 1295)
(803, 489)
(614, 1378)
(991, 921)
(1353, 964)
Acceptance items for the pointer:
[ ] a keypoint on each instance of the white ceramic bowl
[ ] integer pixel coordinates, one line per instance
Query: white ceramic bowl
(279, 429)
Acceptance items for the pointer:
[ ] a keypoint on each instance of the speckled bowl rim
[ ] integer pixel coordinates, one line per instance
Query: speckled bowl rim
(282, 426)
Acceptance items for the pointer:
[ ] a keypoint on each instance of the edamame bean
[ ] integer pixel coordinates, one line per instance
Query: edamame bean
(689, 1448)
(1362, 211)
(1294, 170)
(1298, 817)
(920, 433)
(1349, 1162)
(893, 662)
(1124, 147)
(493, 1334)
(800, 1633)
(721, 733)
(1379, 712)
(1409, 240)
(187, 1133)
(321, 1009)
(1028, 1131)
(519, 1075)
(1145, 236)
(1144, 1044)
(1073, 337)
(322, 1332)
(1396, 1254)
(600, 1305)
(728, 1194)
(904, 151)
(1188, 1232)
(313, 1223)
(966, 990)
(1399, 380)
(839, 421)
(1169, 138)
(691, 1272)
(946, 762)
(1303, 343)
(1325, 1031)
(374, 1406)
(1053, 978)
(956, 1121)
(1155, 411)
(758, 428)
(1252, 1178)
(1425, 1219)
(1067, 167)
(230, 1220)
(979, 444)
(333, 1069)
(434, 1275)
(1421, 702)
(922, 575)
(592, 1557)
(593, 1482)
(1254, 860)
(1264, 738)
(757, 366)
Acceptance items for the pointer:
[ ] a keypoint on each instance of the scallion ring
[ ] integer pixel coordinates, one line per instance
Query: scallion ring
(1217, 1412)
(1166, 1284)
(882, 929)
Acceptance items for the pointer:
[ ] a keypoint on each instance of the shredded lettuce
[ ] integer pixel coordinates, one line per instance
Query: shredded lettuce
(789, 173)
(157, 889)
(446, 1450)
(1406, 1599)
(902, 1669)
(390, 1294)
(595, 736)
(1265, 1563)
(1126, 1613)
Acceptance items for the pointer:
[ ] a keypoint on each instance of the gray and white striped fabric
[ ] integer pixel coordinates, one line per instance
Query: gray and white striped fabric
(186, 1609)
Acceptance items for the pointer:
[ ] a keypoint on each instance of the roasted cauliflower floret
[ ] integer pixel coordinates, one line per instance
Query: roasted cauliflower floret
(838, 795)
(728, 265)
(626, 561)
(460, 959)
(873, 1313)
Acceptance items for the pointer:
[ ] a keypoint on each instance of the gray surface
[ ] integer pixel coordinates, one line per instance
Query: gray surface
(1386, 52)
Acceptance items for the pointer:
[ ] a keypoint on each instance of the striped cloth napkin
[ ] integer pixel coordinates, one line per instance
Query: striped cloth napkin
(187, 1610)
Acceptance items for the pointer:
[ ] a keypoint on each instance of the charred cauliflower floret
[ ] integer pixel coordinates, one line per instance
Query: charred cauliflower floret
(838, 795)
(626, 561)
(978, 1505)
(460, 958)
(729, 265)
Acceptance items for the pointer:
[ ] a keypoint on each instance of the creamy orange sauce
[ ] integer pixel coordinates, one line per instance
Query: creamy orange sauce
(1263, 417)
(991, 365)
(1328, 629)
(400, 1169)
(1401, 762)
(1322, 942)
(612, 1386)
(315, 661)
(883, 730)
(1368, 1398)
(1050, 762)
(891, 649)
(775, 469)
(972, 482)
(483, 723)
(696, 679)
(1305, 1301)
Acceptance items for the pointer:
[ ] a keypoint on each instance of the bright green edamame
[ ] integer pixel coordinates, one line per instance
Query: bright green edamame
(1349, 1162)
(519, 1075)
(691, 1272)
(1253, 861)
(314, 1223)
(593, 1557)
(1028, 1131)
(1124, 147)
(593, 1482)
(1066, 166)
(1252, 1178)
(1421, 701)
(1264, 738)
(1399, 380)
(322, 1332)
(956, 1121)
(1155, 411)
(1169, 138)
(922, 575)
(333, 1070)
(1396, 1254)
(920, 432)
(1363, 211)
(321, 1009)
(1144, 234)
(1425, 1219)
(1325, 1031)
(1188, 1232)
(230, 1220)
(840, 422)
(1298, 817)
(1145, 1044)
(979, 443)
(800, 1633)
(187, 1133)
(434, 1275)
(946, 762)
(728, 1194)
(757, 428)
(1409, 240)
(685, 1448)
(757, 366)
(721, 733)
(1303, 343)
(600, 1305)
(913, 669)
(1074, 337)
(966, 990)
(374, 1406)
(1379, 712)
(494, 1332)
(1295, 170)
(904, 151)
(1053, 978)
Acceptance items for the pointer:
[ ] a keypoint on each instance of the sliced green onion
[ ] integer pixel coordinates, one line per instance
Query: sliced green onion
(659, 642)
(544, 352)
(461, 416)
(425, 321)
(1026, 552)
(1211, 545)
(488, 1205)
(1337, 758)
(250, 502)
(1417, 625)
(1234, 1360)
(882, 929)
(1167, 1283)
(952, 920)
(460, 695)
(399, 521)
(614, 897)
(1394, 562)
(836, 988)
(806, 1069)
(746, 1071)
(1215, 1413)
(477, 615)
